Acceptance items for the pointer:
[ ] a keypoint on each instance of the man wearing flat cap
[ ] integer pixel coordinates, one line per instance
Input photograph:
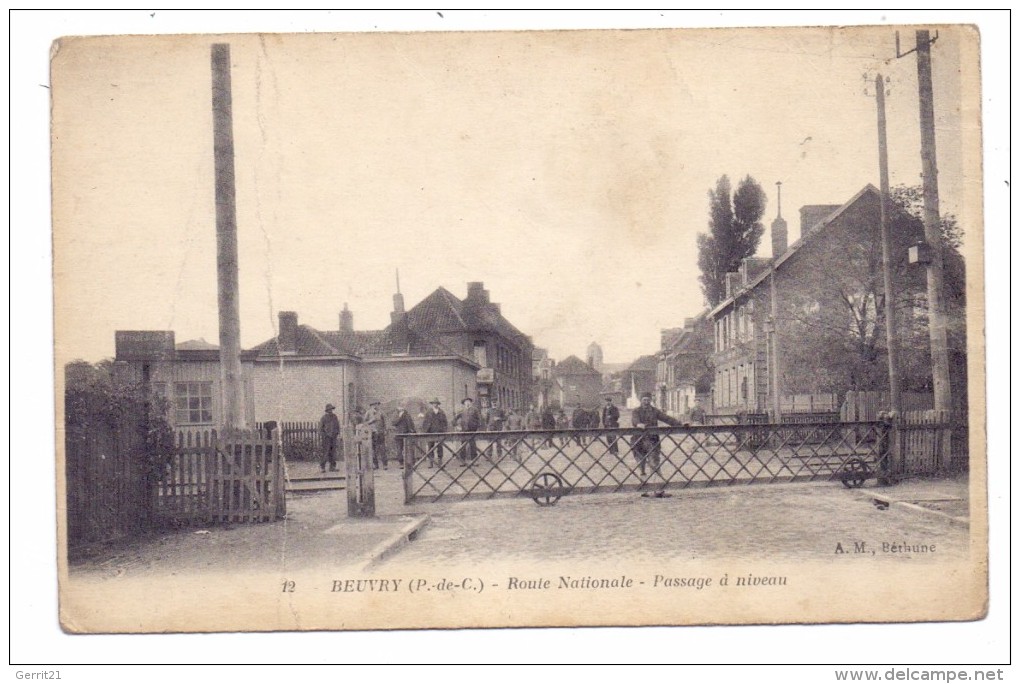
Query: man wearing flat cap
(646, 446)
(329, 428)
(435, 421)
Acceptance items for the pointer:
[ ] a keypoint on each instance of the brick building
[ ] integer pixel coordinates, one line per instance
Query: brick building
(576, 384)
(810, 321)
(683, 376)
(444, 347)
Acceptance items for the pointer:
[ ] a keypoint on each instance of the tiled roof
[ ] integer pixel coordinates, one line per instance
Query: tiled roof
(439, 312)
(573, 366)
(376, 343)
(309, 342)
(811, 235)
(195, 345)
(644, 363)
(363, 343)
(443, 312)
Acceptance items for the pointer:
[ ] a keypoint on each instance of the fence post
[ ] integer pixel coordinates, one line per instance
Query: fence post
(357, 448)
(279, 475)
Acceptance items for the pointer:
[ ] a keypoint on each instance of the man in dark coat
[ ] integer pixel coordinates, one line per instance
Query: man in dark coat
(329, 428)
(402, 425)
(435, 421)
(548, 423)
(469, 420)
(646, 446)
(611, 421)
(579, 421)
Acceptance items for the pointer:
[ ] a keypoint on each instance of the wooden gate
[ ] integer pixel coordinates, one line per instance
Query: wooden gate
(228, 476)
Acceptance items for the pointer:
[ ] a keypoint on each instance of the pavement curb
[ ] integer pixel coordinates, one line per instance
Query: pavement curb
(913, 507)
(406, 534)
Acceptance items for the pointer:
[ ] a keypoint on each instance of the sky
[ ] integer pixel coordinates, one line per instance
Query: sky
(568, 171)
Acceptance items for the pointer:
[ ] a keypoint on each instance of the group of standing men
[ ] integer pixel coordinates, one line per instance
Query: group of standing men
(470, 420)
(434, 421)
(374, 419)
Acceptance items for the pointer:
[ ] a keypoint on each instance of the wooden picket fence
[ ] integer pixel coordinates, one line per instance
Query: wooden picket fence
(933, 442)
(826, 402)
(106, 481)
(301, 440)
(230, 476)
(865, 406)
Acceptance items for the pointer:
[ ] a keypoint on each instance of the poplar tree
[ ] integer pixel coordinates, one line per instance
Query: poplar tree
(734, 231)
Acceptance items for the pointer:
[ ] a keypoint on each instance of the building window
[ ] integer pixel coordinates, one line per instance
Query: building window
(480, 356)
(193, 402)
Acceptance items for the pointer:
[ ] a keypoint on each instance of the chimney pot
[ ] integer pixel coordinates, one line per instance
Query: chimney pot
(477, 293)
(287, 336)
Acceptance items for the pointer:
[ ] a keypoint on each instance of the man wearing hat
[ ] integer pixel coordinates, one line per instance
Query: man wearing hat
(403, 425)
(611, 420)
(468, 420)
(329, 428)
(376, 422)
(435, 421)
(646, 447)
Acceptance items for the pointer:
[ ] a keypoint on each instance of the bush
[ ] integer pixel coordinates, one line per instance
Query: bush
(300, 449)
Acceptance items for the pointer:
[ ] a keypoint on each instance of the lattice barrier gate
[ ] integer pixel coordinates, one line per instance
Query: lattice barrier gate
(547, 464)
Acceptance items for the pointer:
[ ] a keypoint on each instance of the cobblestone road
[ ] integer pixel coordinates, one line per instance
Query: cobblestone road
(781, 522)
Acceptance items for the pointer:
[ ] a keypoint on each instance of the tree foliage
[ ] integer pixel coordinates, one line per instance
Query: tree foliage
(95, 402)
(734, 231)
(835, 317)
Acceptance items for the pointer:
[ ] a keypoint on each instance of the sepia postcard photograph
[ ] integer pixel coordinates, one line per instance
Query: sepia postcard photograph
(653, 326)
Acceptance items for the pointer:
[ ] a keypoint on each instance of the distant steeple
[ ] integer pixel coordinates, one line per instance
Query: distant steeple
(346, 320)
(779, 228)
(595, 356)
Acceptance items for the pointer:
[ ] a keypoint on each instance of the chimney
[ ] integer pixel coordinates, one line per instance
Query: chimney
(346, 320)
(688, 323)
(399, 332)
(732, 284)
(287, 336)
(812, 214)
(780, 232)
(477, 294)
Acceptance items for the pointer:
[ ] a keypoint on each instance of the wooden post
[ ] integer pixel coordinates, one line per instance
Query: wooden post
(777, 409)
(280, 484)
(891, 334)
(932, 230)
(232, 384)
(357, 448)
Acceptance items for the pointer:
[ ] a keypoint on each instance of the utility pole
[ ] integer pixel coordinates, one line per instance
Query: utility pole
(231, 381)
(932, 234)
(891, 335)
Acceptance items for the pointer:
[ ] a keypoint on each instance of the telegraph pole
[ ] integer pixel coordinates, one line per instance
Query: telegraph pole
(932, 234)
(891, 335)
(231, 381)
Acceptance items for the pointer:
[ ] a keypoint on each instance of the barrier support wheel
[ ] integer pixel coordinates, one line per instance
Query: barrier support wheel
(855, 473)
(547, 489)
